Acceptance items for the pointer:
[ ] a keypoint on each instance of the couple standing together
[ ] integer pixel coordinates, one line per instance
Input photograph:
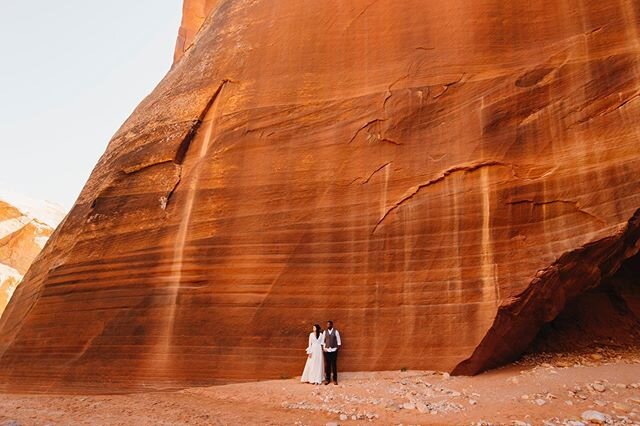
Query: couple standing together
(322, 354)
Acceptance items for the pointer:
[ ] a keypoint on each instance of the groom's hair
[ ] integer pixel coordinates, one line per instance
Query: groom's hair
(330, 322)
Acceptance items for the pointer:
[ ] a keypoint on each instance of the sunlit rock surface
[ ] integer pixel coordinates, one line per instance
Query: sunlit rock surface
(194, 13)
(25, 227)
(439, 178)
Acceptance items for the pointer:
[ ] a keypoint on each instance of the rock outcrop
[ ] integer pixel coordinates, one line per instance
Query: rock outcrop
(194, 13)
(25, 227)
(440, 178)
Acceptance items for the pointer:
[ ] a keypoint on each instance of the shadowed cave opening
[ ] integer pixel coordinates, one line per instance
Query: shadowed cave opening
(605, 316)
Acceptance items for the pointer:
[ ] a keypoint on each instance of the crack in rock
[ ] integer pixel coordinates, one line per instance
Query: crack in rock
(389, 93)
(365, 126)
(467, 168)
(185, 144)
(446, 86)
(442, 176)
(384, 166)
(144, 166)
(603, 112)
(369, 123)
(572, 203)
(183, 148)
(353, 21)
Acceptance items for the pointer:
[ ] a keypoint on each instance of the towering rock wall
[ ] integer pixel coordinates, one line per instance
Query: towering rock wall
(439, 178)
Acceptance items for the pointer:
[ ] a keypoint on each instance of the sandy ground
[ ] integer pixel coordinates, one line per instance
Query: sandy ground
(540, 390)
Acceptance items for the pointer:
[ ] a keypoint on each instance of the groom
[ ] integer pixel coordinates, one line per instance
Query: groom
(332, 344)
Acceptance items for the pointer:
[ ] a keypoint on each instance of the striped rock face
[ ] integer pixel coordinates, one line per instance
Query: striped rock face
(439, 178)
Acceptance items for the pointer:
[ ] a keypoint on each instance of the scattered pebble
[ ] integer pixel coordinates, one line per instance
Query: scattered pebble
(621, 407)
(422, 407)
(409, 406)
(594, 417)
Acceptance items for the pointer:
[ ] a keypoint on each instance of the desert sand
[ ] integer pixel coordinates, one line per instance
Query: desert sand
(540, 389)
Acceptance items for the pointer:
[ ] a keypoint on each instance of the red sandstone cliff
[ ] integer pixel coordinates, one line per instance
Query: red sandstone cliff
(440, 178)
(194, 13)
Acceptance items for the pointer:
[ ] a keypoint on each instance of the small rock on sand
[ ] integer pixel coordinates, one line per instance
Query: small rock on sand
(594, 417)
(422, 407)
(409, 406)
(621, 407)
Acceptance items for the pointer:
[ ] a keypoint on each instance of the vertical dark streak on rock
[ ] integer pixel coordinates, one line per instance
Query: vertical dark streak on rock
(185, 144)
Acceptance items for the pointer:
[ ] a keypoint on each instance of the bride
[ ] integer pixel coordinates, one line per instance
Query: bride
(314, 368)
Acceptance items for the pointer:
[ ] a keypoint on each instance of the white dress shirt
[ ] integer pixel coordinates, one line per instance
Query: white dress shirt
(333, 330)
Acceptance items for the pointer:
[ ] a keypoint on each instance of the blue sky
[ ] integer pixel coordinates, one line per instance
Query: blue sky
(71, 72)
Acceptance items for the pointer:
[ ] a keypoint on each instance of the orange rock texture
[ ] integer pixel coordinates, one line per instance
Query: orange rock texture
(439, 178)
(194, 13)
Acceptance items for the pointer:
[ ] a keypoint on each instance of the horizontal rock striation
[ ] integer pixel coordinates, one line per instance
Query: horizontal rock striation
(439, 178)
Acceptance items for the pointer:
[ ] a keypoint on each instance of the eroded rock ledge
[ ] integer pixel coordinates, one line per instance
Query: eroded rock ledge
(518, 322)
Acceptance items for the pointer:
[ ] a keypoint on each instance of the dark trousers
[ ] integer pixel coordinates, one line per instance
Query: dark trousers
(331, 364)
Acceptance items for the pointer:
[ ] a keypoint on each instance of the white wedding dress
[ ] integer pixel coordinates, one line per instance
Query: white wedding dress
(314, 368)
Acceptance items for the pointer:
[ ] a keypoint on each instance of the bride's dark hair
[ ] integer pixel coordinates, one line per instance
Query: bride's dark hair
(318, 330)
